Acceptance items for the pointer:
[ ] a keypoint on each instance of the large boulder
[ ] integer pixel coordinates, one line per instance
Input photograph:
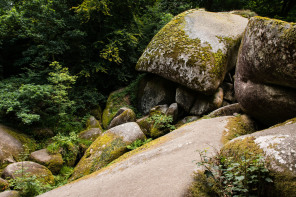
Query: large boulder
(28, 168)
(12, 144)
(227, 110)
(265, 81)
(185, 98)
(123, 115)
(195, 49)
(160, 168)
(109, 146)
(53, 162)
(154, 90)
(278, 148)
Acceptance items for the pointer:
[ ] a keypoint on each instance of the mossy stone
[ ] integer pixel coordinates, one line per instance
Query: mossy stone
(106, 148)
(116, 100)
(195, 49)
(3, 184)
(128, 115)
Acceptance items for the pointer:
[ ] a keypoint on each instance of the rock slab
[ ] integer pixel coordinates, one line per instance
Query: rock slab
(161, 168)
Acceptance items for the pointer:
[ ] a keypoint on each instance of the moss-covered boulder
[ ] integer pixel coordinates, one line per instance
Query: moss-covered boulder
(109, 146)
(154, 90)
(159, 109)
(277, 145)
(145, 125)
(195, 49)
(123, 115)
(10, 193)
(53, 162)
(92, 122)
(97, 112)
(265, 76)
(116, 100)
(3, 184)
(12, 144)
(28, 168)
(90, 134)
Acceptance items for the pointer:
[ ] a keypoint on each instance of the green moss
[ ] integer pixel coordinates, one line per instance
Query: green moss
(55, 164)
(104, 150)
(29, 143)
(172, 40)
(284, 184)
(3, 185)
(241, 147)
(116, 100)
(237, 126)
(201, 186)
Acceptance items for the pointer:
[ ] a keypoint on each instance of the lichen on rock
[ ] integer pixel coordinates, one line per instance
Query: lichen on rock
(194, 48)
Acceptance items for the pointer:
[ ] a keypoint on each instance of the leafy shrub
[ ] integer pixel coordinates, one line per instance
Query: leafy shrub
(161, 121)
(228, 176)
(67, 145)
(136, 144)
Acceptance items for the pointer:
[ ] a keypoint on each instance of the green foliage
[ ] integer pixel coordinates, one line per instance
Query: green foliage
(38, 102)
(161, 121)
(229, 176)
(63, 176)
(67, 145)
(29, 186)
(136, 144)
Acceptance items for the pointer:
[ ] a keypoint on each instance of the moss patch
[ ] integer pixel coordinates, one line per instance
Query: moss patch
(171, 43)
(104, 150)
(237, 126)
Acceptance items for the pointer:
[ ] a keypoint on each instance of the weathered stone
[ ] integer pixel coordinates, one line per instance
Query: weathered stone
(204, 104)
(53, 162)
(154, 91)
(29, 168)
(277, 145)
(125, 115)
(160, 168)
(90, 134)
(159, 109)
(173, 111)
(92, 122)
(145, 125)
(227, 110)
(116, 100)
(12, 144)
(185, 98)
(10, 193)
(3, 184)
(265, 82)
(195, 49)
(107, 147)
(228, 90)
(267, 103)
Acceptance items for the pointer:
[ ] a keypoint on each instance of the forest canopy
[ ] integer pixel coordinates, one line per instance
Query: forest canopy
(61, 58)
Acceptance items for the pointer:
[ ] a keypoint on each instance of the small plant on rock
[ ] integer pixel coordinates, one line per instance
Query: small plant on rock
(229, 176)
(136, 144)
(161, 121)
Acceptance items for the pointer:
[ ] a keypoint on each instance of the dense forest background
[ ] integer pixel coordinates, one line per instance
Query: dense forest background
(61, 58)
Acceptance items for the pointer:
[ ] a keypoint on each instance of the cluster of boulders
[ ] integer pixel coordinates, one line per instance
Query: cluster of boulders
(200, 63)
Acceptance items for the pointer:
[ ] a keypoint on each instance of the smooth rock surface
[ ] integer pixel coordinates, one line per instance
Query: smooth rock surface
(10, 193)
(161, 168)
(195, 49)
